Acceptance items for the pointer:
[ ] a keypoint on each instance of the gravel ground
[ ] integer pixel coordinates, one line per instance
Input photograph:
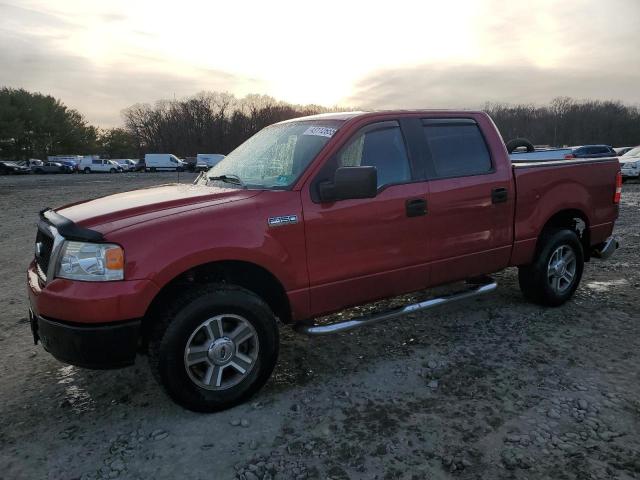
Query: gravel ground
(493, 388)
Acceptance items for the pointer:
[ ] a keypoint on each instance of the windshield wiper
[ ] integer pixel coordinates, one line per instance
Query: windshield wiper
(229, 178)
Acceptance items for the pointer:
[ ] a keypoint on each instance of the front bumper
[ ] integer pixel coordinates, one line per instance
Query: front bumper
(88, 346)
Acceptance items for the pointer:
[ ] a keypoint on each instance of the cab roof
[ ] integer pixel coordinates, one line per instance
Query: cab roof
(349, 115)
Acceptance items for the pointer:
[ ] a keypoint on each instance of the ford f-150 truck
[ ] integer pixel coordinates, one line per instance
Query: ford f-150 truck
(309, 216)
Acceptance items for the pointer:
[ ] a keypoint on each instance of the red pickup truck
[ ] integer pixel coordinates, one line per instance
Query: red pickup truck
(308, 217)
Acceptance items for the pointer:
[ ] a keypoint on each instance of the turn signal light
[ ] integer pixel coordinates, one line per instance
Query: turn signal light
(569, 156)
(114, 258)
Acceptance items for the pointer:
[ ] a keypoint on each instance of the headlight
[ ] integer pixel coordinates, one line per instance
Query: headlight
(94, 262)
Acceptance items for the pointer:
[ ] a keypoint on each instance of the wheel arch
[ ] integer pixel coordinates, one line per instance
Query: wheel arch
(573, 219)
(251, 276)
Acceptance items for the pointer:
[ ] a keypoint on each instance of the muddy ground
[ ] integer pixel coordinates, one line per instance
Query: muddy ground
(494, 388)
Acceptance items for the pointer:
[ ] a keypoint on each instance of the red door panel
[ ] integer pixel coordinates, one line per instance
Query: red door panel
(470, 235)
(364, 250)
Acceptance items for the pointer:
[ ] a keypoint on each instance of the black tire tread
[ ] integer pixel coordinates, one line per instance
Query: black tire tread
(164, 326)
(532, 278)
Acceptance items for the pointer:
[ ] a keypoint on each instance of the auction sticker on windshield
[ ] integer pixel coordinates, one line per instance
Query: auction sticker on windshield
(320, 131)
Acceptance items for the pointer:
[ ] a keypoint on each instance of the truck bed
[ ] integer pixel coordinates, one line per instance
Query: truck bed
(584, 187)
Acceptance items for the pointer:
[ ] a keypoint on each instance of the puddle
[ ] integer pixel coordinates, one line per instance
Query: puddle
(606, 286)
(75, 397)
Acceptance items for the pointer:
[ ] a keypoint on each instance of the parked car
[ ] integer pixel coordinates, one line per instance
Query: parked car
(622, 150)
(12, 168)
(69, 160)
(140, 166)
(163, 162)
(204, 161)
(127, 164)
(72, 164)
(630, 164)
(585, 151)
(592, 151)
(89, 165)
(52, 167)
(308, 217)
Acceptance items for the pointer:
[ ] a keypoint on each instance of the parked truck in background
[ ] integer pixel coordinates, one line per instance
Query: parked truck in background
(157, 162)
(308, 217)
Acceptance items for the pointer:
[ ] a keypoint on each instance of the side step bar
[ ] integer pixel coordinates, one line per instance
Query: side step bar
(471, 292)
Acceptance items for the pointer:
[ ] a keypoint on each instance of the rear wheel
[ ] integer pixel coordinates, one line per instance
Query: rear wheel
(556, 271)
(112, 170)
(214, 347)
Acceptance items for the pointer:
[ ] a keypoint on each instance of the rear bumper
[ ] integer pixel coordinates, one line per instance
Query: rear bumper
(88, 346)
(606, 249)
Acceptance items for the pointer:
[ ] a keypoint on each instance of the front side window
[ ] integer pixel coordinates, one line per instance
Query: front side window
(457, 149)
(276, 156)
(382, 148)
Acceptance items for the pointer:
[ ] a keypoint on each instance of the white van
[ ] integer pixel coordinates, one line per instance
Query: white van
(163, 161)
(91, 165)
(204, 161)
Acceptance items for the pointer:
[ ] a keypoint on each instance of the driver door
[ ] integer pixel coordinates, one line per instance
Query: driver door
(361, 250)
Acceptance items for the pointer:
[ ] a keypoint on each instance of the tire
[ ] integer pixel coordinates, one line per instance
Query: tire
(87, 170)
(112, 170)
(39, 171)
(540, 282)
(183, 323)
(512, 145)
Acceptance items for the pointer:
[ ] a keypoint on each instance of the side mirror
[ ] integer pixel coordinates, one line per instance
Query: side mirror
(350, 182)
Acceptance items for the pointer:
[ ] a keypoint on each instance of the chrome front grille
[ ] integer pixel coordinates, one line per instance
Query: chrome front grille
(47, 244)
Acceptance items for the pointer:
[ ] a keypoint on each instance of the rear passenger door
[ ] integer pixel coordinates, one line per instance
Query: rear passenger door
(470, 200)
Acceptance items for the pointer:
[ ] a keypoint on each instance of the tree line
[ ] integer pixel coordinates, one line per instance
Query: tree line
(33, 125)
(569, 122)
(210, 122)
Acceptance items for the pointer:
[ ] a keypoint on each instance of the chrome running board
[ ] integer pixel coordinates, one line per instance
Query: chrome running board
(471, 292)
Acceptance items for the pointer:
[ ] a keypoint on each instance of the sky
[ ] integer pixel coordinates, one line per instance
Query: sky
(103, 56)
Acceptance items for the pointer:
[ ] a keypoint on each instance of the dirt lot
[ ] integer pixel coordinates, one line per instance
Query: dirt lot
(494, 388)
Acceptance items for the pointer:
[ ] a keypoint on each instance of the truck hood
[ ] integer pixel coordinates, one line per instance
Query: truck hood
(111, 212)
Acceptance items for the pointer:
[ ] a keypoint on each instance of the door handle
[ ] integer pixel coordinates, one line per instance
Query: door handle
(499, 195)
(416, 207)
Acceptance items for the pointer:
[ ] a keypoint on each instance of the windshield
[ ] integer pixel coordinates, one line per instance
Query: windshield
(634, 152)
(275, 157)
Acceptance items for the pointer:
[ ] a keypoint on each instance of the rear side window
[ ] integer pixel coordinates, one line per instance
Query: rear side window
(457, 149)
(381, 147)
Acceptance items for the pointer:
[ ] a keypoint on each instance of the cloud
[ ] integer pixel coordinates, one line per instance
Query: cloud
(32, 58)
(99, 92)
(471, 86)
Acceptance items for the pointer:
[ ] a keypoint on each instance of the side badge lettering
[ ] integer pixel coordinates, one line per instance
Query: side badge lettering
(283, 220)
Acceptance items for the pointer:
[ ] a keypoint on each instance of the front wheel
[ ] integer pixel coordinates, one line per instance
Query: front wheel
(87, 170)
(214, 347)
(556, 271)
